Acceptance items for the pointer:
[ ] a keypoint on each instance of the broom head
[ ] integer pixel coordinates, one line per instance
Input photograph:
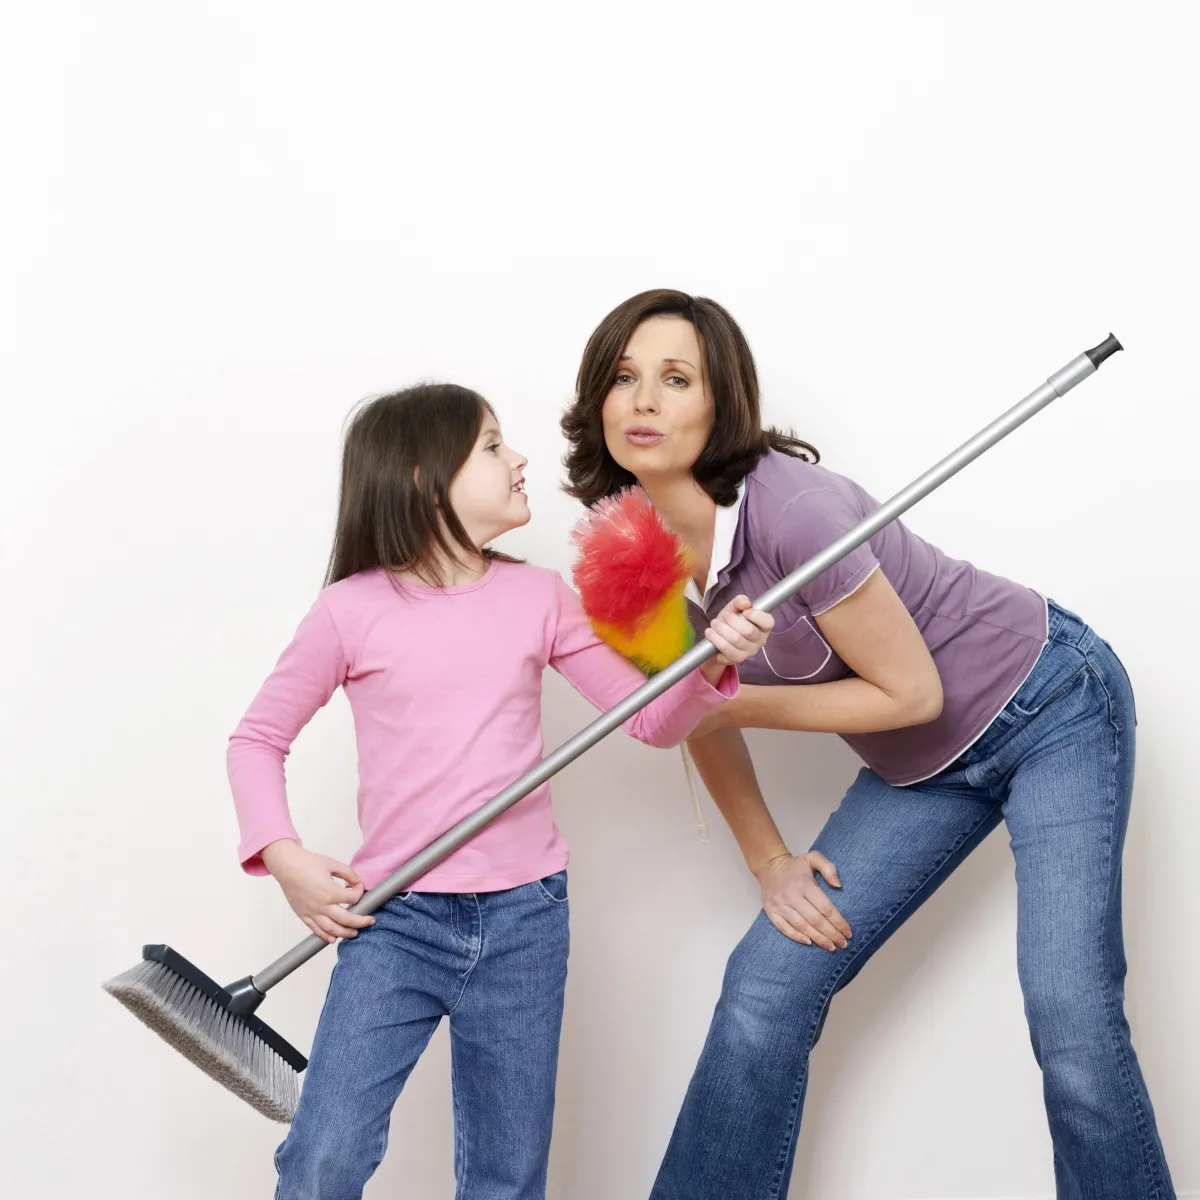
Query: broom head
(191, 1012)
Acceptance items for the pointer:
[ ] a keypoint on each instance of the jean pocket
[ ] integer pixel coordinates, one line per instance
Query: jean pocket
(553, 888)
(1059, 669)
(1030, 706)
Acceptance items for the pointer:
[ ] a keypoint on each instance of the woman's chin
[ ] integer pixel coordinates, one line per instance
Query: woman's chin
(650, 462)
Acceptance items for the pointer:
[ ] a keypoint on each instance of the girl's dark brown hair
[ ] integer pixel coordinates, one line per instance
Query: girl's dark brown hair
(400, 454)
(738, 439)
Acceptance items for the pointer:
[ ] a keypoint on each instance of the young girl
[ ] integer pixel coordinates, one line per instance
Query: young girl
(440, 645)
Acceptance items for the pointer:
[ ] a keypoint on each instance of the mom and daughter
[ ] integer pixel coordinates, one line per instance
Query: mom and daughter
(970, 699)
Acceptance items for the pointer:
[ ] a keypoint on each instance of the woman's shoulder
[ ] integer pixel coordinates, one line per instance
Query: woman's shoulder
(779, 480)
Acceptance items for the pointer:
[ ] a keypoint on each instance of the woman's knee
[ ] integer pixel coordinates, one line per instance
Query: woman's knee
(1074, 1009)
(771, 984)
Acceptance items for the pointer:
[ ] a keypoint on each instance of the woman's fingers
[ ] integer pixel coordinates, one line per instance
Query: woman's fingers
(764, 622)
(738, 626)
(740, 609)
(827, 934)
(823, 867)
(829, 911)
(789, 925)
(789, 921)
(727, 652)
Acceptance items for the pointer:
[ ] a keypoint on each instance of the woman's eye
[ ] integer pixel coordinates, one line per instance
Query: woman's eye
(494, 446)
(623, 377)
(677, 379)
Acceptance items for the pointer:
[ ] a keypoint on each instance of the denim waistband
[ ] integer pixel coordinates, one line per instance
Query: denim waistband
(1067, 628)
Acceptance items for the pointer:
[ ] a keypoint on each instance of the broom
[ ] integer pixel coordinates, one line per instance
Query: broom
(215, 1027)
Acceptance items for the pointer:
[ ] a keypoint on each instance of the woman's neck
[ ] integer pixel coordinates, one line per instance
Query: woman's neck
(691, 512)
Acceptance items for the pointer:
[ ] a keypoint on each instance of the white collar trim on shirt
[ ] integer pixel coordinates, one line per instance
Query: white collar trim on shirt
(724, 527)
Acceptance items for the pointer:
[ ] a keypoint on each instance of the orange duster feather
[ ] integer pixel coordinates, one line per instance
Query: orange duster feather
(631, 573)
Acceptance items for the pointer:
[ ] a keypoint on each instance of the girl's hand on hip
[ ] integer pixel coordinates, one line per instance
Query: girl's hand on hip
(795, 903)
(310, 883)
(739, 631)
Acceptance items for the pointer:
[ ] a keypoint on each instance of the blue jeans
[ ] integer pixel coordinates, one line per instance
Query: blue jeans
(1057, 766)
(495, 963)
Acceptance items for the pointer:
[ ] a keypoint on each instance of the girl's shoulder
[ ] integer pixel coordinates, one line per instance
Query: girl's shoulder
(526, 576)
(358, 587)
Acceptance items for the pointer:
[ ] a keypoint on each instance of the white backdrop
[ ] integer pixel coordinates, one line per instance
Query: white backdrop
(224, 224)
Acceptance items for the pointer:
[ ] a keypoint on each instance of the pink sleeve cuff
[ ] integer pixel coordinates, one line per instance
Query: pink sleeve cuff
(250, 851)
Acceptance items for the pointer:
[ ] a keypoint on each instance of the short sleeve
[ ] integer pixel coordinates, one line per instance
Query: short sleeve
(808, 524)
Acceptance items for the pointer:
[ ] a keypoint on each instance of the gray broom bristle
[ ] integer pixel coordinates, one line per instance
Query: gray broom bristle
(215, 1040)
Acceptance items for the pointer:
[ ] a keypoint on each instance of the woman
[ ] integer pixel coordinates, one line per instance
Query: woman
(970, 699)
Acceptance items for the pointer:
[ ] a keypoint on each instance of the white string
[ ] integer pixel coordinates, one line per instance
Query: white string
(690, 771)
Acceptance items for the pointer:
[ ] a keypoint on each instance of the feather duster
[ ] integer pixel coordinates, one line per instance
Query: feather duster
(631, 572)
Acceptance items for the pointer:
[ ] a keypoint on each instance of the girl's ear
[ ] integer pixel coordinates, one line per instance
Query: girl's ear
(437, 500)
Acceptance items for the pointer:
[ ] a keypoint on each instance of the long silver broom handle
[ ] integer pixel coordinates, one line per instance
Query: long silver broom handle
(1061, 382)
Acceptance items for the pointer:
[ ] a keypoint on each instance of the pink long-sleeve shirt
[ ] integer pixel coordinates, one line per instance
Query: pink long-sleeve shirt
(445, 685)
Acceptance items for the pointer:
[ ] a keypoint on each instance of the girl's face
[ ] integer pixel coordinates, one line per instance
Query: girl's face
(488, 493)
(658, 414)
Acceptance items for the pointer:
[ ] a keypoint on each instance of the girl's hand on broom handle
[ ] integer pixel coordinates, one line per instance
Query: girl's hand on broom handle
(738, 631)
(310, 883)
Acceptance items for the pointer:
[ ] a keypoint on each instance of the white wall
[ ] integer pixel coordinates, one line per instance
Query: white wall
(227, 223)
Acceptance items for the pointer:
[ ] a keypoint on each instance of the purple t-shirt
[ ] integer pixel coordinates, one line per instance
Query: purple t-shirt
(985, 633)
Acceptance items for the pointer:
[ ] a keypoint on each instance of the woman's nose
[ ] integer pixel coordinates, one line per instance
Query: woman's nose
(644, 399)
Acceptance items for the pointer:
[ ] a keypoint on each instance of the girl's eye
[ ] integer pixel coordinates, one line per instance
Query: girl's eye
(677, 379)
(623, 377)
(494, 446)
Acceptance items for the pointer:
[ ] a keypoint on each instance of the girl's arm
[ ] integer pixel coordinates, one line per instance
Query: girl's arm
(791, 897)
(307, 674)
(897, 684)
(604, 677)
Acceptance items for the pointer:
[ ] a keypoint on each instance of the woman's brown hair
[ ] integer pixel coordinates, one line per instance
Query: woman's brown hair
(399, 457)
(738, 439)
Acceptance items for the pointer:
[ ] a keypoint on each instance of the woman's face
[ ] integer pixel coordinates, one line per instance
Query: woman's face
(658, 414)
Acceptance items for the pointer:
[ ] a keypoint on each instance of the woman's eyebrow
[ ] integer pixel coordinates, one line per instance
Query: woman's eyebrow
(626, 358)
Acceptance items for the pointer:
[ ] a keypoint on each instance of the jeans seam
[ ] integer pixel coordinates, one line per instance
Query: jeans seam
(460, 1124)
(1145, 1141)
(474, 963)
(830, 989)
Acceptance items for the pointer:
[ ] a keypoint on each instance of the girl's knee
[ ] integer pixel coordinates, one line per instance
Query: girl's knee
(328, 1163)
